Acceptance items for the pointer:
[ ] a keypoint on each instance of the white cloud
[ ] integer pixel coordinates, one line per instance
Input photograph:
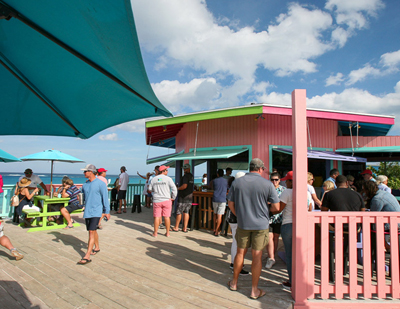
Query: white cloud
(195, 95)
(352, 99)
(261, 87)
(352, 15)
(346, 6)
(189, 35)
(387, 65)
(334, 79)
(132, 126)
(360, 74)
(109, 137)
(390, 59)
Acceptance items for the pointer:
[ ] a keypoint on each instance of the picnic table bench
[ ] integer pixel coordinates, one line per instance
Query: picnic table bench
(45, 224)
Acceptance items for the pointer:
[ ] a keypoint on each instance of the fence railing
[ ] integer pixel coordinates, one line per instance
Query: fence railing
(7, 211)
(359, 239)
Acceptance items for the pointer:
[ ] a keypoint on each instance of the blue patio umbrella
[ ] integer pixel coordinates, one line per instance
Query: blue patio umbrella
(6, 157)
(51, 155)
(71, 68)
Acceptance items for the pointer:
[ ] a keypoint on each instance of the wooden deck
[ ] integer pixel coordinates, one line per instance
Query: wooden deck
(133, 270)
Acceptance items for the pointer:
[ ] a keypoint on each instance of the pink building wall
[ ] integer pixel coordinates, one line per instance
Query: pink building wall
(368, 141)
(245, 130)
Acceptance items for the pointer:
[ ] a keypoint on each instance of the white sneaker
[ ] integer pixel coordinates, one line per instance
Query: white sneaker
(270, 263)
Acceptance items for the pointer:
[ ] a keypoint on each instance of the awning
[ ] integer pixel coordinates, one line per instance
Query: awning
(216, 153)
(324, 155)
(163, 157)
(384, 153)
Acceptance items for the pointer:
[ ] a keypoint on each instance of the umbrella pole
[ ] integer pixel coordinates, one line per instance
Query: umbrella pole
(51, 180)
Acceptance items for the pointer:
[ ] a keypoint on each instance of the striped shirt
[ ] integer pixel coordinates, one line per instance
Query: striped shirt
(73, 195)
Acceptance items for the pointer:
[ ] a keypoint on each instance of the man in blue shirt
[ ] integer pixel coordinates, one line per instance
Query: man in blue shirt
(220, 187)
(96, 203)
(332, 178)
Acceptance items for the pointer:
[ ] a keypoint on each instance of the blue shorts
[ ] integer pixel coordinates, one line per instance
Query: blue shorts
(92, 223)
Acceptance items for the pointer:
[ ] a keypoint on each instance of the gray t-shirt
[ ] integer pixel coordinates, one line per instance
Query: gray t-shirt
(163, 188)
(251, 195)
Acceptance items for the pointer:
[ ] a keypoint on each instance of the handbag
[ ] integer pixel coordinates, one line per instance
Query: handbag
(14, 200)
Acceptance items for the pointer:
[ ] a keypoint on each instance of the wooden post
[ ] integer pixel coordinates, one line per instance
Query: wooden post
(300, 224)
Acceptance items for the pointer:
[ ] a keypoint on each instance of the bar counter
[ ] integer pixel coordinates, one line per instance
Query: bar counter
(204, 218)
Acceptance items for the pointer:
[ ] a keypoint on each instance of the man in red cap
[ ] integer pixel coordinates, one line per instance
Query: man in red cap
(101, 174)
(367, 175)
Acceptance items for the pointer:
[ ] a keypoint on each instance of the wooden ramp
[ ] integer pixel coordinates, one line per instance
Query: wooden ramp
(133, 269)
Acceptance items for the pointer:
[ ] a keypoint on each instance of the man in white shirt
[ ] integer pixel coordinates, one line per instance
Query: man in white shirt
(164, 192)
(123, 186)
(35, 181)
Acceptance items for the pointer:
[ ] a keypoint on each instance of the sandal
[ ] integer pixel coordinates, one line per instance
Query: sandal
(231, 287)
(94, 252)
(261, 294)
(14, 252)
(87, 261)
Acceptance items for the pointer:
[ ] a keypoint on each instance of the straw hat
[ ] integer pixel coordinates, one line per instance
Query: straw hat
(25, 182)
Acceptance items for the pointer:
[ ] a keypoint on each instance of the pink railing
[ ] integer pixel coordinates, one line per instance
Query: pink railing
(360, 282)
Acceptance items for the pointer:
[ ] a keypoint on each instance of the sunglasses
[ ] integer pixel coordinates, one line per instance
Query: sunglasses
(275, 179)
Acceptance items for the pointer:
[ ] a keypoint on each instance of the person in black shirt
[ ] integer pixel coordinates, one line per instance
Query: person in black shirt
(185, 197)
(342, 198)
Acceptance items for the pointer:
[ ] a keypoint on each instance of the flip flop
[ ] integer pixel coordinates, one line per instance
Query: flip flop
(231, 287)
(185, 231)
(117, 212)
(262, 293)
(84, 263)
(173, 230)
(124, 211)
(94, 252)
(68, 227)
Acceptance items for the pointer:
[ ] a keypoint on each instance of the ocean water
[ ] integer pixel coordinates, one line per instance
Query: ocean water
(12, 178)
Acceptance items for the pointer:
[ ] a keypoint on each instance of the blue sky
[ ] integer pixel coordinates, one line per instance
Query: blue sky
(202, 55)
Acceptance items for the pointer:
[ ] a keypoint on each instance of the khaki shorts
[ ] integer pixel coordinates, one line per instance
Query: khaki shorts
(256, 239)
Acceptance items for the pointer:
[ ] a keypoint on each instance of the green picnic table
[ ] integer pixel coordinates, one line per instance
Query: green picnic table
(45, 224)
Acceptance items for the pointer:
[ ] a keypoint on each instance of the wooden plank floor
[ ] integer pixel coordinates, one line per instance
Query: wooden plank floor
(133, 269)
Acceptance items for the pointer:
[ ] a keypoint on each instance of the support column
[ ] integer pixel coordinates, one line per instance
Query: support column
(300, 228)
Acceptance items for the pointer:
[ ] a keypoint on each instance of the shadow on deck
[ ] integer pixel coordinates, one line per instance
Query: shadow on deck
(133, 269)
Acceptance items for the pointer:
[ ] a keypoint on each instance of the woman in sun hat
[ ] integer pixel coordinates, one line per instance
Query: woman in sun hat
(24, 196)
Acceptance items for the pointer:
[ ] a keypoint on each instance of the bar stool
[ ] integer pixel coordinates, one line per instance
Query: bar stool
(193, 216)
(136, 204)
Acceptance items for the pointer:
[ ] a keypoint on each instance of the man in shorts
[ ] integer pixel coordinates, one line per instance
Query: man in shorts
(220, 187)
(71, 191)
(96, 203)
(164, 192)
(185, 199)
(123, 186)
(248, 200)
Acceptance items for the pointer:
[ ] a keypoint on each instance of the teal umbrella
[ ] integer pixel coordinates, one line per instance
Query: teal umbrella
(6, 157)
(71, 68)
(51, 155)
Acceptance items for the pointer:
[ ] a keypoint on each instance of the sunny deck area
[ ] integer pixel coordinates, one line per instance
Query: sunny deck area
(133, 270)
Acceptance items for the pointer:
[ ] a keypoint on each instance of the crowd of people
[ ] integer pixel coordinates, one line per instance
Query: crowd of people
(259, 210)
